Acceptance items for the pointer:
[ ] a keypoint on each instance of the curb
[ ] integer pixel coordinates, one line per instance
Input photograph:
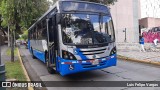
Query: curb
(138, 60)
(24, 70)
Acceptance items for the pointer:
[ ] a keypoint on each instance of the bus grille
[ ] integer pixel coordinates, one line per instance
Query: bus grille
(92, 52)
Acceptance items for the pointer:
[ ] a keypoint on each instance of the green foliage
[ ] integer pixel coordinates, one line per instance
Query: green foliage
(22, 13)
(31, 10)
(25, 35)
(14, 71)
(19, 14)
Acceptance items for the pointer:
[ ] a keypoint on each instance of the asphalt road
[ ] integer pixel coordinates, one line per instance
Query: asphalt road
(124, 71)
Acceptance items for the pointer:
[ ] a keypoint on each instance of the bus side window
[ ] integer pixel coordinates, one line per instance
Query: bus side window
(39, 28)
(34, 33)
(30, 35)
(44, 30)
(52, 28)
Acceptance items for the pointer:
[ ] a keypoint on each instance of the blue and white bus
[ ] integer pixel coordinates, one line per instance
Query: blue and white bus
(74, 36)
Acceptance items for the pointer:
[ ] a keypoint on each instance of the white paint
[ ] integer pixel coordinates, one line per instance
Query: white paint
(44, 45)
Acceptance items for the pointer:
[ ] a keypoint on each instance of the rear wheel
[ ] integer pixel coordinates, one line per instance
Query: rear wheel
(49, 68)
(33, 54)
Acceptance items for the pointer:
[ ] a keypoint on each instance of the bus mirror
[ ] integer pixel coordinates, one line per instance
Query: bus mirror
(58, 17)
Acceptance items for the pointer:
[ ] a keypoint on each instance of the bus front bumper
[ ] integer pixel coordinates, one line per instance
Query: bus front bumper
(74, 66)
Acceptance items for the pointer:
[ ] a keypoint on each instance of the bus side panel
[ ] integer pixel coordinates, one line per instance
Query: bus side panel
(40, 55)
(29, 45)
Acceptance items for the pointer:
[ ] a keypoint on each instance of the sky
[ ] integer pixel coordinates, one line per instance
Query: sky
(150, 8)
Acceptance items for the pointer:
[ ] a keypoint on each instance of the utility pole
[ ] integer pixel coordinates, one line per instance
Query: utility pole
(125, 39)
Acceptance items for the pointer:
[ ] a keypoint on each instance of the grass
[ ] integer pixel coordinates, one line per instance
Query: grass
(9, 51)
(14, 71)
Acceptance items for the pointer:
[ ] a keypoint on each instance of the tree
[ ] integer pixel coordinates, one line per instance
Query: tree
(25, 35)
(0, 15)
(19, 14)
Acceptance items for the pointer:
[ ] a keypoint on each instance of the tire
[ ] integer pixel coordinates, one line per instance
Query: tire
(50, 69)
(32, 54)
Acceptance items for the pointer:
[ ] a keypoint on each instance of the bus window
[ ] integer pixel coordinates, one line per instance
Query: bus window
(107, 26)
(44, 30)
(39, 31)
(30, 31)
(52, 28)
(34, 33)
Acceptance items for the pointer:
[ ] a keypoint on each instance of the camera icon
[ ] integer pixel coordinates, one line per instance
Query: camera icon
(6, 84)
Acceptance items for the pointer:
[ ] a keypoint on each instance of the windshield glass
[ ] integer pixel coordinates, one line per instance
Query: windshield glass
(82, 29)
(84, 6)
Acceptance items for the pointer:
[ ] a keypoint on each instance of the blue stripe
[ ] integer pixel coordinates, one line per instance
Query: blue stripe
(40, 55)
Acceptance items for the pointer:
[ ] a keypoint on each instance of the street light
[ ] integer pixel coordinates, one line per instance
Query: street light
(125, 39)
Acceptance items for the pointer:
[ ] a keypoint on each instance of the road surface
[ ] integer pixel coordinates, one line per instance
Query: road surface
(124, 71)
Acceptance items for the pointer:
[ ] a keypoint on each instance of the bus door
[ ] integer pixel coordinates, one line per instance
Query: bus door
(52, 43)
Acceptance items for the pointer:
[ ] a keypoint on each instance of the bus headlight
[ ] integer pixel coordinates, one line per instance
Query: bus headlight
(68, 55)
(113, 51)
(71, 57)
(65, 56)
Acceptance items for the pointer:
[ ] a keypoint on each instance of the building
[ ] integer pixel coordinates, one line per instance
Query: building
(150, 13)
(125, 14)
(149, 22)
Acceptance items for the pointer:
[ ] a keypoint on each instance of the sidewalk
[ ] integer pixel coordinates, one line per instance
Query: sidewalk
(145, 57)
(4, 56)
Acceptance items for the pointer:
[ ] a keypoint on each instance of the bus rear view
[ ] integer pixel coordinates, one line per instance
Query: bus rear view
(85, 38)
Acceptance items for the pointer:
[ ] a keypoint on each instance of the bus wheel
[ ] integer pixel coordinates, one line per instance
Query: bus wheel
(32, 54)
(50, 69)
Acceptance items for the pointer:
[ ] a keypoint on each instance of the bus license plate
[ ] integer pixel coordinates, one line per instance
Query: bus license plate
(95, 62)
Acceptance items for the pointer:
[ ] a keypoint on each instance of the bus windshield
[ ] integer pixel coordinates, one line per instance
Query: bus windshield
(84, 29)
(68, 6)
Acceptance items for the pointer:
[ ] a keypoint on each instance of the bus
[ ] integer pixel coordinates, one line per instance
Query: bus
(74, 36)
